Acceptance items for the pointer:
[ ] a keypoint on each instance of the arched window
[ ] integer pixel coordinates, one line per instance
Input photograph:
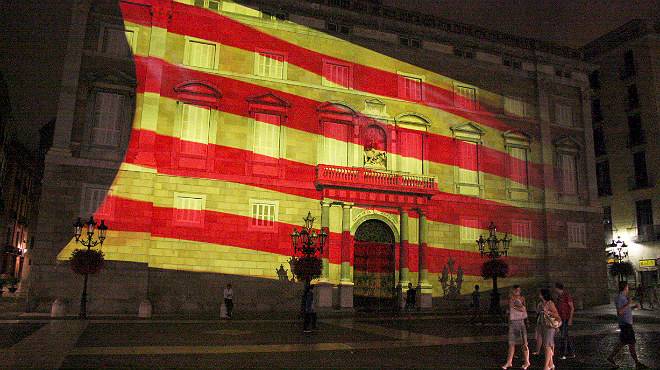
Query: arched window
(411, 141)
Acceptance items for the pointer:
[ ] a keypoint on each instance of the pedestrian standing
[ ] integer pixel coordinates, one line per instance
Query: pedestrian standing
(411, 295)
(538, 329)
(566, 309)
(309, 322)
(517, 327)
(551, 321)
(228, 295)
(476, 306)
(624, 307)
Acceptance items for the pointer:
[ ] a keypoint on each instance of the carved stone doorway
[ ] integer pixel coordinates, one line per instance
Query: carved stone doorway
(374, 267)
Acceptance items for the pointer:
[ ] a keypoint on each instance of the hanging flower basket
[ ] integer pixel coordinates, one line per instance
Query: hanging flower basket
(622, 269)
(494, 268)
(306, 268)
(85, 261)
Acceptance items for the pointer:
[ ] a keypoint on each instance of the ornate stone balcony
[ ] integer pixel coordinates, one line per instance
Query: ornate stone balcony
(371, 179)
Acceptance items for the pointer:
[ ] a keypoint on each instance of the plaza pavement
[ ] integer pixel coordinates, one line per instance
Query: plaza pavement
(277, 341)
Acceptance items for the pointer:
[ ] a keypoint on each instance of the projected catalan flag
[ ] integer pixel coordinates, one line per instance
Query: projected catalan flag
(244, 122)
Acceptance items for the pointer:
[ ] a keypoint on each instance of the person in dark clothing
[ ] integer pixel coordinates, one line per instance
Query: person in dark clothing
(410, 297)
(309, 312)
(476, 306)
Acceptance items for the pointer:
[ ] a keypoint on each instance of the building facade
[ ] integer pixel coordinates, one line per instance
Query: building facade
(625, 117)
(203, 131)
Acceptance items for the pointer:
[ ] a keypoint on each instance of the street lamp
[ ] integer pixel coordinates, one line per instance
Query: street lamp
(490, 247)
(619, 249)
(308, 247)
(89, 227)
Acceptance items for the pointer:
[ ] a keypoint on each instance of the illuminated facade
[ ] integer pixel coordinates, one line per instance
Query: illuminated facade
(203, 131)
(625, 119)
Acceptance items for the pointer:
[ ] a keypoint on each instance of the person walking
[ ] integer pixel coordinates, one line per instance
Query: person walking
(476, 306)
(411, 295)
(624, 307)
(566, 309)
(517, 327)
(228, 295)
(309, 322)
(551, 321)
(538, 329)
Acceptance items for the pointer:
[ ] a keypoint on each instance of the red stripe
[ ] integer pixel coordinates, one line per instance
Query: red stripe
(235, 231)
(441, 149)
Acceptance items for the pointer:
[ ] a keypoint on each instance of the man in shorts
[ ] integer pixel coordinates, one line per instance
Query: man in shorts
(624, 307)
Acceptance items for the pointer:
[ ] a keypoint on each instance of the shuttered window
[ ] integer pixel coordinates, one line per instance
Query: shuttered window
(568, 174)
(411, 150)
(465, 97)
(514, 107)
(267, 134)
(263, 213)
(468, 161)
(522, 232)
(410, 88)
(195, 122)
(270, 65)
(188, 209)
(94, 203)
(518, 168)
(107, 124)
(335, 137)
(117, 42)
(200, 54)
(336, 75)
(576, 233)
(469, 230)
(564, 115)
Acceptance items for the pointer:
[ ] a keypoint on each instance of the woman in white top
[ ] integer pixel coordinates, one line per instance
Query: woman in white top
(517, 328)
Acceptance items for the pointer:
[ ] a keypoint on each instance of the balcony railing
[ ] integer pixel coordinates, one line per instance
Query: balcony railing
(365, 178)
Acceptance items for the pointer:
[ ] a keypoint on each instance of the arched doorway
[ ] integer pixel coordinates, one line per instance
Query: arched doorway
(374, 266)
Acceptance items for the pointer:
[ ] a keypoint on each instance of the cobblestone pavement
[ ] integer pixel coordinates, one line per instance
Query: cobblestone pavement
(408, 341)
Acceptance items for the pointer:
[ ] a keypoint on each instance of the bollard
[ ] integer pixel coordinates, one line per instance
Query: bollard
(145, 310)
(57, 309)
(223, 311)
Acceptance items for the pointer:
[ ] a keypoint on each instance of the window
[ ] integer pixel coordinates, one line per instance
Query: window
(594, 80)
(335, 140)
(267, 134)
(577, 234)
(337, 75)
(514, 107)
(274, 15)
(511, 62)
(411, 151)
(635, 132)
(338, 28)
(628, 64)
(468, 161)
(410, 42)
(467, 54)
(469, 230)
(465, 97)
(108, 119)
(564, 115)
(117, 41)
(632, 98)
(95, 202)
(188, 209)
(340, 3)
(210, 4)
(603, 178)
(644, 214)
(596, 111)
(607, 223)
(518, 168)
(270, 65)
(410, 88)
(599, 141)
(522, 232)
(200, 54)
(263, 214)
(568, 173)
(641, 175)
(195, 121)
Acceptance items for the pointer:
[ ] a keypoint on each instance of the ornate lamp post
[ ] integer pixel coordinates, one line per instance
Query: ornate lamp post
(308, 247)
(494, 268)
(83, 263)
(619, 250)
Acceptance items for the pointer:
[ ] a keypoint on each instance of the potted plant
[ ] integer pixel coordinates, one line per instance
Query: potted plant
(86, 261)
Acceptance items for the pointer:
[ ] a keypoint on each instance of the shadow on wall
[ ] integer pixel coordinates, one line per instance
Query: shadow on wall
(121, 286)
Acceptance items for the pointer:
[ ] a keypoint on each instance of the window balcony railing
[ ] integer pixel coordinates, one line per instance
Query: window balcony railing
(370, 179)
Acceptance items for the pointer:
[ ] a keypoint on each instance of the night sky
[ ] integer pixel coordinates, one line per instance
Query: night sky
(33, 38)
